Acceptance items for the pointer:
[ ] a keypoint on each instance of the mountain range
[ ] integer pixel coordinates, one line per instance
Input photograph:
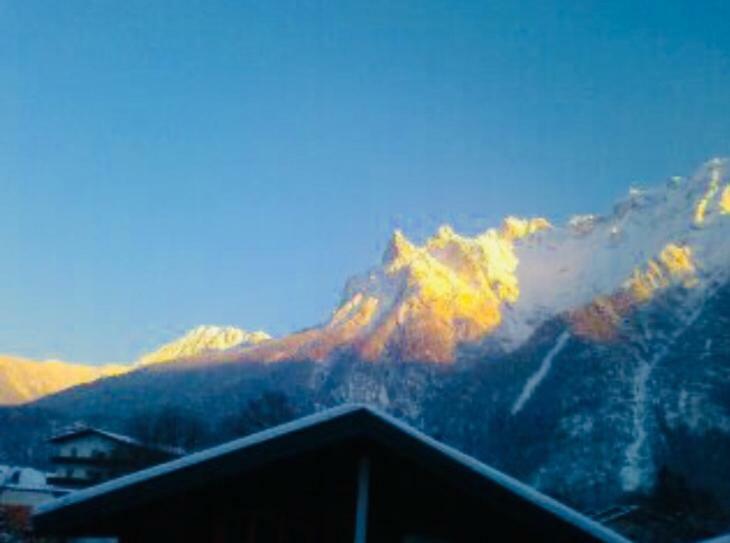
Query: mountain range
(23, 380)
(587, 359)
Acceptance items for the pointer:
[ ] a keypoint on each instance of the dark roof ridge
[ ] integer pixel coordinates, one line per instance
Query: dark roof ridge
(377, 426)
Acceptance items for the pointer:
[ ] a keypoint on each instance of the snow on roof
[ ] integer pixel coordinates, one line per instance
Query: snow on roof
(78, 430)
(17, 475)
(24, 478)
(527, 493)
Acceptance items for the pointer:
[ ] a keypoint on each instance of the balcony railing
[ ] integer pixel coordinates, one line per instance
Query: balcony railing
(93, 460)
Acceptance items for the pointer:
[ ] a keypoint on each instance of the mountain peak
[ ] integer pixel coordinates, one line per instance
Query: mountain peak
(203, 339)
(399, 249)
(421, 303)
(514, 228)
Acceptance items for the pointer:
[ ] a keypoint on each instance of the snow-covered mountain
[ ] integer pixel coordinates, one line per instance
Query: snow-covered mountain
(23, 380)
(425, 302)
(419, 304)
(204, 339)
(589, 359)
(599, 268)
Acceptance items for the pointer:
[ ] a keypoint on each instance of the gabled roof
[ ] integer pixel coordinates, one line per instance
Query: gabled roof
(307, 434)
(82, 430)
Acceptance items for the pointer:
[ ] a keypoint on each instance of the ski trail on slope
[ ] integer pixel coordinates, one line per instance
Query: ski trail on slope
(537, 377)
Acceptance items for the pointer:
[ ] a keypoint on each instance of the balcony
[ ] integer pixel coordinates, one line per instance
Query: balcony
(105, 461)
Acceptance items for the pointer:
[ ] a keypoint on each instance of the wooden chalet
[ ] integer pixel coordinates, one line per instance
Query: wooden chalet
(85, 456)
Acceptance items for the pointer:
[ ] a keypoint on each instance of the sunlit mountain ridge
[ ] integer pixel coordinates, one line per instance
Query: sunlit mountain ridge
(424, 302)
(419, 304)
(23, 380)
(204, 339)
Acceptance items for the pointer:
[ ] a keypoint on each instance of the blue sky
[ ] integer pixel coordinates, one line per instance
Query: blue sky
(168, 164)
